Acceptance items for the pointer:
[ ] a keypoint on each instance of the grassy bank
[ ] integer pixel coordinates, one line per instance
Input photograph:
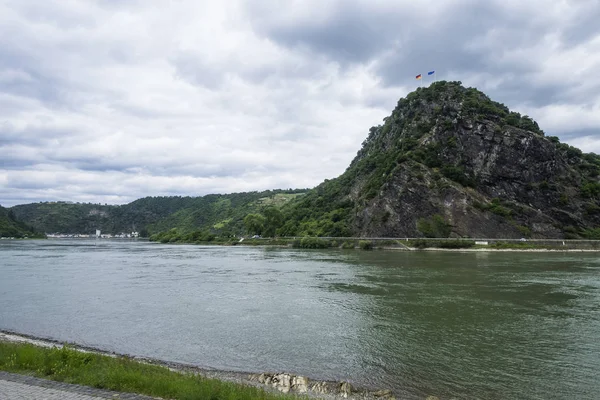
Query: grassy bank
(119, 374)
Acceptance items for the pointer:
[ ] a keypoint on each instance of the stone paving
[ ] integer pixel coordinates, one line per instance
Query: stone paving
(22, 387)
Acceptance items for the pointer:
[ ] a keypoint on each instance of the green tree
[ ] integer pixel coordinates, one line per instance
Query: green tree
(273, 220)
(254, 223)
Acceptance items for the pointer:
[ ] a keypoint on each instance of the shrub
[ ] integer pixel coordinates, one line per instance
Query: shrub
(309, 242)
(593, 234)
(457, 174)
(443, 244)
(502, 211)
(525, 231)
(553, 139)
(590, 189)
(456, 244)
(591, 208)
(447, 124)
(365, 245)
(505, 245)
(571, 232)
(435, 226)
(423, 244)
(347, 245)
(564, 199)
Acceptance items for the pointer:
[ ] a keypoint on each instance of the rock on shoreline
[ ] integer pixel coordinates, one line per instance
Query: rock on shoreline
(287, 383)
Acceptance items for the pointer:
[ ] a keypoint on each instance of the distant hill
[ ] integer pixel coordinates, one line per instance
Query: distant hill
(11, 227)
(220, 213)
(449, 161)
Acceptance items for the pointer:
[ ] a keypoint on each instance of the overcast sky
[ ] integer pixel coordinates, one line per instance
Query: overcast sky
(109, 101)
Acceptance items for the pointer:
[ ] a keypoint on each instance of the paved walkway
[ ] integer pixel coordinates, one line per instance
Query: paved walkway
(22, 387)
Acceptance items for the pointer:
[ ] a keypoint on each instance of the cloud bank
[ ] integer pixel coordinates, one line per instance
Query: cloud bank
(109, 101)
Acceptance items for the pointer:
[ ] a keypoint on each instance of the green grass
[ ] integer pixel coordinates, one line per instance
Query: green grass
(119, 374)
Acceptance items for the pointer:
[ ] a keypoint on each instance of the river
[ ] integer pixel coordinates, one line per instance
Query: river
(452, 324)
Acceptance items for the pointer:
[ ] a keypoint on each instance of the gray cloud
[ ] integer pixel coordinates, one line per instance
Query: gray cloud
(111, 101)
(466, 39)
(27, 80)
(354, 34)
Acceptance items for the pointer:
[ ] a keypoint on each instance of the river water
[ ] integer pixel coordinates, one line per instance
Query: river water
(464, 325)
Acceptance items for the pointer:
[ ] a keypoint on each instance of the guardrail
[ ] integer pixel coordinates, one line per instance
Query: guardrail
(491, 240)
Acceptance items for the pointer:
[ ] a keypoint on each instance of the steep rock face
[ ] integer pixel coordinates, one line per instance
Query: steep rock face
(450, 156)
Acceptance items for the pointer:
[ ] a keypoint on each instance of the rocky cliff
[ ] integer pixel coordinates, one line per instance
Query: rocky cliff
(449, 161)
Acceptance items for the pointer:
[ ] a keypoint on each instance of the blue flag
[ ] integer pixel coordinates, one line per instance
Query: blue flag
(431, 73)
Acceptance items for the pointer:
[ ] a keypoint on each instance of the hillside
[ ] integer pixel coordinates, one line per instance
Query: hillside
(66, 217)
(11, 227)
(221, 213)
(449, 161)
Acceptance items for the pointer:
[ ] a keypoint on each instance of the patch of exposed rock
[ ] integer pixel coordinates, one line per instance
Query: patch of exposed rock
(288, 383)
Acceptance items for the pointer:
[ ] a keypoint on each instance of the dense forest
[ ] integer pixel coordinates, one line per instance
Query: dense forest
(11, 227)
(218, 213)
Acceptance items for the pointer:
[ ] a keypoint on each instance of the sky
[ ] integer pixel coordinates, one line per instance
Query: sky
(109, 101)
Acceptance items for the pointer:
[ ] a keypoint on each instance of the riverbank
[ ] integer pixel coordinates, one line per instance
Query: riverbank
(71, 363)
(410, 244)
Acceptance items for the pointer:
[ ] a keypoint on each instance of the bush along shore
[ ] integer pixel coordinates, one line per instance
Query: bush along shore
(310, 242)
(93, 367)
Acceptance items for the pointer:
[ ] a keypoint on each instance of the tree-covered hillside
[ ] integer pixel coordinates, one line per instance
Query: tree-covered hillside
(11, 227)
(224, 214)
(218, 213)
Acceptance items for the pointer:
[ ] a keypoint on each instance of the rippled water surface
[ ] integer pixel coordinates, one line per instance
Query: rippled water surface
(468, 325)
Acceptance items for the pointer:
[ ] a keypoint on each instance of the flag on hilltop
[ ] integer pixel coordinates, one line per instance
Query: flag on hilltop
(431, 73)
(418, 76)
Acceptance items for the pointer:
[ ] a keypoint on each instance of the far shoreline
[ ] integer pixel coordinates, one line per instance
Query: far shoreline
(512, 245)
(369, 244)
